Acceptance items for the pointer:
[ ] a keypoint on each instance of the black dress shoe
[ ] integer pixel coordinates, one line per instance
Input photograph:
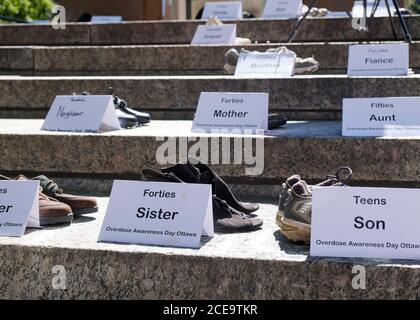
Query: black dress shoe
(275, 120)
(225, 218)
(122, 105)
(201, 173)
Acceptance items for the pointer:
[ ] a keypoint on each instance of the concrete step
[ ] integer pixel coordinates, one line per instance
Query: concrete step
(164, 59)
(252, 266)
(182, 32)
(176, 97)
(312, 149)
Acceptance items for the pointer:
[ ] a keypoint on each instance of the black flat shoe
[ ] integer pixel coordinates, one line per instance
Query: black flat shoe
(275, 120)
(201, 173)
(122, 105)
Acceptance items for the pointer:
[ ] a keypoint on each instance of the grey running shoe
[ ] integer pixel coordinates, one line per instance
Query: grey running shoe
(295, 224)
(307, 65)
(284, 194)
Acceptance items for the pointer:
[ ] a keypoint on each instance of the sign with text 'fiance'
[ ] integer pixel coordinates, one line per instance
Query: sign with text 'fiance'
(235, 112)
(19, 207)
(365, 223)
(158, 213)
(381, 117)
(84, 113)
(282, 9)
(224, 10)
(378, 60)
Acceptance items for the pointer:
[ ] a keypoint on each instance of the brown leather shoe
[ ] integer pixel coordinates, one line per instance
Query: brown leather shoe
(51, 211)
(80, 205)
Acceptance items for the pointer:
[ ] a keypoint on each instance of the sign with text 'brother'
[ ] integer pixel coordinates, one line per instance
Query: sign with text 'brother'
(366, 223)
(223, 10)
(377, 117)
(282, 9)
(378, 60)
(242, 112)
(19, 207)
(264, 64)
(82, 113)
(157, 213)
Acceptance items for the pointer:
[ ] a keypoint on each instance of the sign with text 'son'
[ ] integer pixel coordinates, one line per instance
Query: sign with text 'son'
(378, 60)
(380, 117)
(158, 213)
(223, 10)
(84, 113)
(232, 111)
(282, 9)
(364, 222)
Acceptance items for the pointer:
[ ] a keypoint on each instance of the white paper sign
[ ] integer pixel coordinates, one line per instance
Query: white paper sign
(157, 213)
(106, 19)
(366, 223)
(241, 112)
(223, 10)
(381, 11)
(223, 34)
(378, 60)
(282, 9)
(84, 113)
(279, 65)
(376, 117)
(19, 207)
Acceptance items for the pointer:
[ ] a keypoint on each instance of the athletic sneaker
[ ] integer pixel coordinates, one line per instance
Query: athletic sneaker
(302, 65)
(295, 204)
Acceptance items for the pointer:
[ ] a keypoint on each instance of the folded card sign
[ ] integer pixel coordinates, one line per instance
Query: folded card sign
(264, 64)
(378, 60)
(158, 213)
(242, 112)
(223, 10)
(217, 34)
(82, 113)
(19, 207)
(282, 9)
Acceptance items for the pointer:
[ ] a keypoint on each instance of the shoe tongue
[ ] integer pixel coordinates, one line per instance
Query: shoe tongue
(301, 188)
(293, 180)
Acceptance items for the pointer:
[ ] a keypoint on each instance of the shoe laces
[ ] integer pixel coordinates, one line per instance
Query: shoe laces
(343, 175)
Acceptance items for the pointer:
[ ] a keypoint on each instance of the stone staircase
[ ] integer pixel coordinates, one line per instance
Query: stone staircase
(152, 66)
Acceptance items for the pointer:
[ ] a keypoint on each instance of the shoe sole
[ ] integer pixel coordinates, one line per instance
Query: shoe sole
(80, 212)
(128, 123)
(294, 231)
(56, 220)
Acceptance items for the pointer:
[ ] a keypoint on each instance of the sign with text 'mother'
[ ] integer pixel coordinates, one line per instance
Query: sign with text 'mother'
(157, 213)
(241, 112)
(366, 222)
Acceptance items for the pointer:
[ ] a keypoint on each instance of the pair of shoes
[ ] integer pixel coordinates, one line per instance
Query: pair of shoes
(302, 65)
(294, 213)
(275, 120)
(215, 21)
(127, 117)
(229, 214)
(56, 207)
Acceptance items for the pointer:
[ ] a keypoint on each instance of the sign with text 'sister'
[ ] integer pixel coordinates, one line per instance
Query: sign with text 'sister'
(157, 213)
(223, 34)
(378, 60)
(279, 65)
(376, 117)
(282, 9)
(223, 10)
(82, 113)
(19, 207)
(231, 111)
(366, 222)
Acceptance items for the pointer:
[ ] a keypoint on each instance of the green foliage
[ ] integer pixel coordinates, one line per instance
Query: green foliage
(414, 6)
(26, 9)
